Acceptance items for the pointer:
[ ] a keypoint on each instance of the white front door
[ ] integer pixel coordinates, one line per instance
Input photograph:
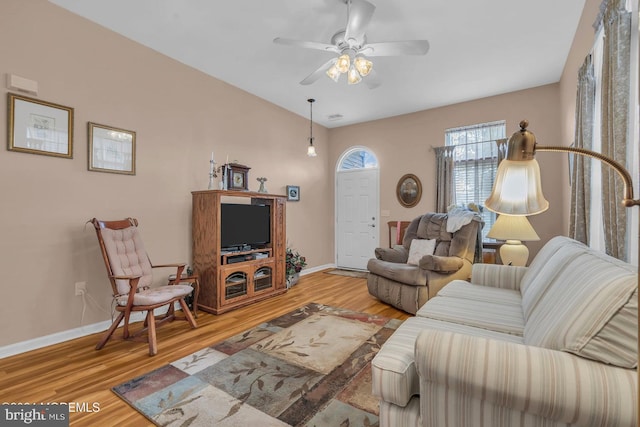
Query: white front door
(357, 217)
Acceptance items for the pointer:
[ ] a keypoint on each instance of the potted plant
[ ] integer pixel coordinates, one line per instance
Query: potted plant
(295, 264)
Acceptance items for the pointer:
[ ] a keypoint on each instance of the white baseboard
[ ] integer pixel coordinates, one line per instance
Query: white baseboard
(316, 269)
(58, 337)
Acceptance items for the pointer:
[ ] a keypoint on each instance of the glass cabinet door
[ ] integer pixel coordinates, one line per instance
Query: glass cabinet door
(235, 285)
(262, 279)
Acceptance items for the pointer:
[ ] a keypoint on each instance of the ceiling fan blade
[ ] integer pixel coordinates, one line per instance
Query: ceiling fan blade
(360, 14)
(407, 47)
(311, 78)
(371, 80)
(306, 44)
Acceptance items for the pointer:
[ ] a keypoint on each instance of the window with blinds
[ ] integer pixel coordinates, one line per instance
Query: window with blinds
(475, 164)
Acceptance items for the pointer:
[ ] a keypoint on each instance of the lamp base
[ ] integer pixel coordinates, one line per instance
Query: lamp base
(513, 252)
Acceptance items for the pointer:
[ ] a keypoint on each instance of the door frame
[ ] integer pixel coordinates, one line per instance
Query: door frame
(341, 158)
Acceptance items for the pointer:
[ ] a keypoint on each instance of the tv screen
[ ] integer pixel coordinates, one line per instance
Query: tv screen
(244, 225)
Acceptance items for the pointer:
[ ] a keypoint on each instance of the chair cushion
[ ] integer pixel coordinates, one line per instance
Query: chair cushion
(157, 295)
(441, 264)
(393, 370)
(127, 256)
(403, 273)
(420, 248)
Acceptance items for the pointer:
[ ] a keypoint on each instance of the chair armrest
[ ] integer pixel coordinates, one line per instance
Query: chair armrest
(179, 268)
(397, 254)
(548, 383)
(133, 284)
(180, 264)
(126, 277)
(498, 276)
(441, 264)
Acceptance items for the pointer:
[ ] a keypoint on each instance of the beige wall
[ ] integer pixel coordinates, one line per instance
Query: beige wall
(180, 116)
(403, 145)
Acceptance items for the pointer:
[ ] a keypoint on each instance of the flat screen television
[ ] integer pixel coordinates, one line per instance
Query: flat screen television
(243, 225)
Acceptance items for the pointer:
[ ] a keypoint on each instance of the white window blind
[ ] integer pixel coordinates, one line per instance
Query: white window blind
(475, 163)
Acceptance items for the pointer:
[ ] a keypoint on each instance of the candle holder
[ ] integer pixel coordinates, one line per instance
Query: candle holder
(213, 173)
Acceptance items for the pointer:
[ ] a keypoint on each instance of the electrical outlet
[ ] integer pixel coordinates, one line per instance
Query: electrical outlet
(81, 288)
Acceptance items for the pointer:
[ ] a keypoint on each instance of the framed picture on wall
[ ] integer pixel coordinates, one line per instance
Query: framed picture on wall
(293, 193)
(40, 127)
(111, 149)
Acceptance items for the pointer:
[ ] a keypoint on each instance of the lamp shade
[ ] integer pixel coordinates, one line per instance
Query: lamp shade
(509, 227)
(311, 151)
(517, 189)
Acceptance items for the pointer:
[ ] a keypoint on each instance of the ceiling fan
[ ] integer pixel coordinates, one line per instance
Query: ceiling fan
(352, 48)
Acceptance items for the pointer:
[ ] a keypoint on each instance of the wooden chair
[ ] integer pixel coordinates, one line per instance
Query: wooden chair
(399, 227)
(130, 274)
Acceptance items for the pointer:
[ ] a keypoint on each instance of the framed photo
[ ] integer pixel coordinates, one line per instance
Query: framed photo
(237, 176)
(40, 127)
(293, 193)
(111, 149)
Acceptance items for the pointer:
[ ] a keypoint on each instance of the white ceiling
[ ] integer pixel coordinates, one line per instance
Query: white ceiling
(478, 48)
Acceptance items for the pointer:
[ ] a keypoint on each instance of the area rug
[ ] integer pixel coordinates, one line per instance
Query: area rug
(350, 273)
(310, 367)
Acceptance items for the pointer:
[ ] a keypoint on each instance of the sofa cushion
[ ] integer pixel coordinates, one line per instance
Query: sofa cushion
(548, 263)
(420, 248)
(589, 297)
(504, 318)
(393, 370)
(464, 289)
(618, 338)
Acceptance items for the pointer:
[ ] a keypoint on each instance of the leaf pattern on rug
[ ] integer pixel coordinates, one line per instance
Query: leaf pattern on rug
(274, 372)
(308, 367)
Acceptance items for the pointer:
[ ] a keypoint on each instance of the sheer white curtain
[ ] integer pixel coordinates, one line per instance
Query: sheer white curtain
(475, 161)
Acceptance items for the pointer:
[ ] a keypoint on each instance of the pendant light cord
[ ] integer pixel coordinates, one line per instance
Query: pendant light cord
(311, 101)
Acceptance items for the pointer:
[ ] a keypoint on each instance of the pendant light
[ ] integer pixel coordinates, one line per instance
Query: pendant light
(311, 150)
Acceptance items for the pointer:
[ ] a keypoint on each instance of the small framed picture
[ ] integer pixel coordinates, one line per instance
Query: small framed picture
(40, 127)
(293, 193)
(111, 149)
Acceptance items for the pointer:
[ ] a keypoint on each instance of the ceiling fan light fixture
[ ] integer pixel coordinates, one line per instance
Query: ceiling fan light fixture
(363, 65)
(343, 63)
(353, 76)
(334, 73)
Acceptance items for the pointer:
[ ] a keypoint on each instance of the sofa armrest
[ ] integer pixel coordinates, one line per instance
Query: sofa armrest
(396, 254)
(547, 383)
(441, 264)
(498, 276)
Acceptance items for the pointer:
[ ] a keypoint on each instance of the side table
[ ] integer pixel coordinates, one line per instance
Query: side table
(194, 282)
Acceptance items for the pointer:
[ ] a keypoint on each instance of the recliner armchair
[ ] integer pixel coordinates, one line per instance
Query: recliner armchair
(407, 286)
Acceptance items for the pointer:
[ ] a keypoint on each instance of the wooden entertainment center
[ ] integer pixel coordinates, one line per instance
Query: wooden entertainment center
(232, 279)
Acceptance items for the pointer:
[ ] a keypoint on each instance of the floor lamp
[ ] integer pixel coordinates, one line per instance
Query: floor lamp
(517, 189)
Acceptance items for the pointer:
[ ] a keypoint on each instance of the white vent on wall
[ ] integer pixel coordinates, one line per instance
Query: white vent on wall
(21, 84)
(334, 117)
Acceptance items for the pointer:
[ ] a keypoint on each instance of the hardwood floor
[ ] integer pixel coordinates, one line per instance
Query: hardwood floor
(74, 372)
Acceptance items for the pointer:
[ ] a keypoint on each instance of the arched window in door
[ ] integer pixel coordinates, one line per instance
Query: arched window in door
(358, 158)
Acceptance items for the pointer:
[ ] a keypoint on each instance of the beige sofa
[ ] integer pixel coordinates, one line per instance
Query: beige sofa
(407, 287)
(552, 344)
